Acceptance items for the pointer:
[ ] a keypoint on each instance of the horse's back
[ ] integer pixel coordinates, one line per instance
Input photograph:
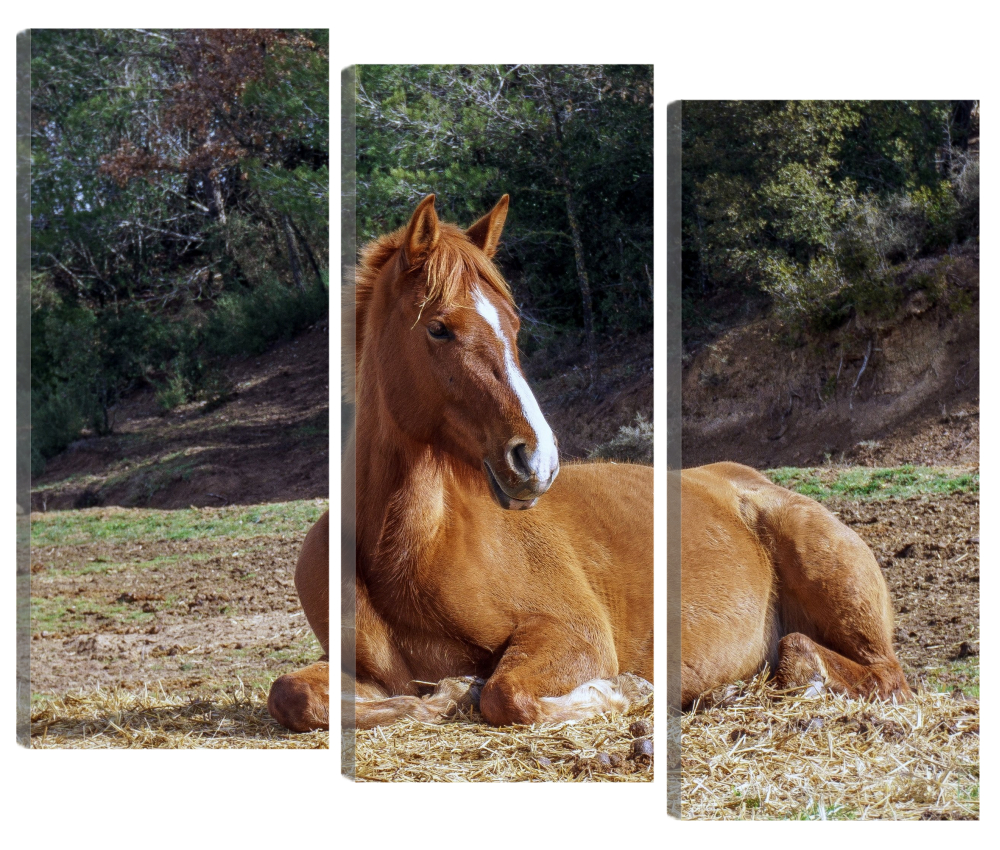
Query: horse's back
(607, 504)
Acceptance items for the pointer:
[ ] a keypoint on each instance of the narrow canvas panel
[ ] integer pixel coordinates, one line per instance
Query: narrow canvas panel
(179, 388)
(503, 317)
(829, 508)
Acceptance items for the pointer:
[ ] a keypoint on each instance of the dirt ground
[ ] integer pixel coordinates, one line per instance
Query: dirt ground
(584, 416)
(192, 616)
(928, 549)
(879, 392)
(189, 622)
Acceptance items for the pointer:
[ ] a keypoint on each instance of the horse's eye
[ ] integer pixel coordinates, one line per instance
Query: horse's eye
(438, 331)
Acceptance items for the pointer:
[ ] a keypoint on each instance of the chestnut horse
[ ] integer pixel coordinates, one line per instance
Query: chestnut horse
(534, 614)
(772, 577)
(485, 571)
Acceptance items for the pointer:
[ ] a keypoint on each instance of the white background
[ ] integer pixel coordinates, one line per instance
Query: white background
(721, 50)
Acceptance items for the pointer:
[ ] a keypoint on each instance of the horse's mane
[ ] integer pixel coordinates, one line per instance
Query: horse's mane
(451, 267)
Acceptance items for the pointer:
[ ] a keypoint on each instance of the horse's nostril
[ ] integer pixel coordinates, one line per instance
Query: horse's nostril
(517, 459)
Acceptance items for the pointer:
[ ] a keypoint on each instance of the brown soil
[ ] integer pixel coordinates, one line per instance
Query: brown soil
(928, 549)
(268, 443)
(584, 417)
(205, 614)
(898, 390)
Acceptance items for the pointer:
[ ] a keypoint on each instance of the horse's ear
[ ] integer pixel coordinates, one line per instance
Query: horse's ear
(485, 233)
(423, 231)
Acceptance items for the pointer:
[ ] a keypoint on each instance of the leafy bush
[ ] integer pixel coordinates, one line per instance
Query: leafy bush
(816, 203)
(248, 321)
(632, 444)
(173, 393)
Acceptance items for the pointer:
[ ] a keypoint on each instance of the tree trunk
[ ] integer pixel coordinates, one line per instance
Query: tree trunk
(293, 257)
(309, 254)
(562, 177)
(584, 281)
(216, 203)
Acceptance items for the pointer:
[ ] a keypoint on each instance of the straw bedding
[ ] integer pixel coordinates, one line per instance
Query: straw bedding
(119, 718)
(618, 748)
(755, 755)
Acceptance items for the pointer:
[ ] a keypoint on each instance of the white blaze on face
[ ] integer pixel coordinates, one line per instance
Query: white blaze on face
(546, 456)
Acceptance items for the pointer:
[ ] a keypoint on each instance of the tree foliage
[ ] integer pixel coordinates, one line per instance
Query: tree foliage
(172, 171)
(814, 203)
(572, 145)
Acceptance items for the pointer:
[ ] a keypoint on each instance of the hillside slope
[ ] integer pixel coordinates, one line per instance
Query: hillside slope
(269, 442)
(903, 389)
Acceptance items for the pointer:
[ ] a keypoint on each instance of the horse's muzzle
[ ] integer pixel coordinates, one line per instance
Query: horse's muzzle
(524, 492)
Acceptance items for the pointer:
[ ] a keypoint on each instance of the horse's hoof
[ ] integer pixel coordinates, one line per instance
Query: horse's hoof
(464, 691)
(634, 688)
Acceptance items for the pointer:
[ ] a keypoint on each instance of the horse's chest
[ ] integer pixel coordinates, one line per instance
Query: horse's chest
(433, 657)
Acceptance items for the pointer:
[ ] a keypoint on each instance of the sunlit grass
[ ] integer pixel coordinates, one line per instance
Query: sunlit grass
(866, 483)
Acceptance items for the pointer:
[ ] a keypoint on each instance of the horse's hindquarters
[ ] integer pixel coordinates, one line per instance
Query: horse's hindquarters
(729, 627)
(772, 576)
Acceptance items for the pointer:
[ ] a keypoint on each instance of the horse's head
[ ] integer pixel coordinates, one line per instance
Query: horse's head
(446, 344)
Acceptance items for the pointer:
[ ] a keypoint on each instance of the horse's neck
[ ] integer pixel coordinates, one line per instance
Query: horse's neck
(401, 495)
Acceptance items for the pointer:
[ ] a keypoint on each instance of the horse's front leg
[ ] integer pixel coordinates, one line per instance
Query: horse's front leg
(374, 707)
(551, 674)
(300, 701)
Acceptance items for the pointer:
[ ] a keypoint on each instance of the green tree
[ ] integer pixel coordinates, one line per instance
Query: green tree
(572, 145)
(172, 171)
(812, 203)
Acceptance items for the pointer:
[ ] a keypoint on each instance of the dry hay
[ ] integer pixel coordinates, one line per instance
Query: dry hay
(618, 748)
(757, 755)
(120, 718)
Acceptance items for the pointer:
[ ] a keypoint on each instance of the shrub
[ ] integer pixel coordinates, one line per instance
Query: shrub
(173, 393)
(247, 321)
(83, 361)
(632, 443)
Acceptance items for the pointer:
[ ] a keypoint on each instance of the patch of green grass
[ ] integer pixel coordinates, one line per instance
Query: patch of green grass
(303, 651)
(58, 614)
(69, 528)
(55, 615)
(866, 483)
(971, 793)
(962, 674)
